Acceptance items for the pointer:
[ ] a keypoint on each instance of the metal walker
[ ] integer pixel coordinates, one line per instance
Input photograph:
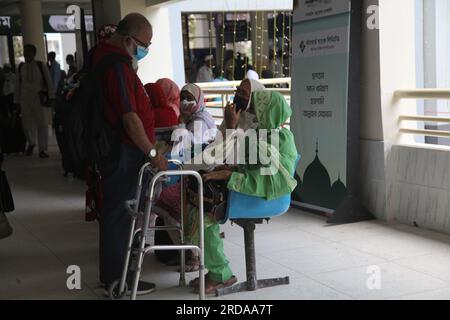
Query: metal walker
(119, 288)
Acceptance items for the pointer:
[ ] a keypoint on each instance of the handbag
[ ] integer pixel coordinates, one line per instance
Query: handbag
(6, 199)
(215, 196)
(5, 228)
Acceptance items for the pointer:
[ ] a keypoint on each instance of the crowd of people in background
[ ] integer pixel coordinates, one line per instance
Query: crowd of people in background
(29, 98)
(235, 66)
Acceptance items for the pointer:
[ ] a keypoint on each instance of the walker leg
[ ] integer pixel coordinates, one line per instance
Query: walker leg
(182, 264)
(123, 278)
(140, 260)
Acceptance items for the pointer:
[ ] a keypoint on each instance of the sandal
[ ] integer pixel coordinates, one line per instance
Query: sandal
(212, 286)
(195, 283)
(192, 264)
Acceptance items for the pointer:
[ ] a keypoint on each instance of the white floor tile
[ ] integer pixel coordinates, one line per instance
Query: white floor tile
(395, 281)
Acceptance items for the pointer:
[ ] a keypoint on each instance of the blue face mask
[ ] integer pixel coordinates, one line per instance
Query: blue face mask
(141, 53)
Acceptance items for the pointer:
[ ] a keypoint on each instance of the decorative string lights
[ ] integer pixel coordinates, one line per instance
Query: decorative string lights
(263, 32)
(210, 36)
(291, 20)
(234, 44)
(249, 28)
(222, 71)
(257, 29)
(283, 44)
(275, 43)
(257, 37)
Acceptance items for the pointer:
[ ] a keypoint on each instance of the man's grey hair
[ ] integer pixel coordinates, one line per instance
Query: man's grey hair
(132, 24)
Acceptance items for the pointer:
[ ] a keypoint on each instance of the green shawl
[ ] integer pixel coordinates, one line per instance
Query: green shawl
(272, 111)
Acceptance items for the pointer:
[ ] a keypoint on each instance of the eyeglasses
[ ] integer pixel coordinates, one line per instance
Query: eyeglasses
(146, 46)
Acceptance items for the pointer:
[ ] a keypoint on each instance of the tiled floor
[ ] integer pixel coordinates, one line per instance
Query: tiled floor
(323, 262)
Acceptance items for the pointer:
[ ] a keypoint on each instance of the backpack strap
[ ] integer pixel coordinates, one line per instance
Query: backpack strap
(107, 62)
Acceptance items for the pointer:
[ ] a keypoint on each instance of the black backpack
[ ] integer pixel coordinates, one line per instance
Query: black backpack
(90, 138)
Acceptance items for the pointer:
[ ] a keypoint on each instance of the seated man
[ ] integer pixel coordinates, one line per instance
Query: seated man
(276, 161)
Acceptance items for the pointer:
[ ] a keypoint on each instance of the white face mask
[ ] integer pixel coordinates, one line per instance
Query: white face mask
(187, 105)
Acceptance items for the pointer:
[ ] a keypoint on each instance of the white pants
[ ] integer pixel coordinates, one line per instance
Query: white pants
(42, 137)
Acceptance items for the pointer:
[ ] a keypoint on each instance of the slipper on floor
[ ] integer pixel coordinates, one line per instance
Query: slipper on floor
(211, 286)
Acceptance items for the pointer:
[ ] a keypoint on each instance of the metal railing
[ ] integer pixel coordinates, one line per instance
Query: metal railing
(222, 84)
(427, 94)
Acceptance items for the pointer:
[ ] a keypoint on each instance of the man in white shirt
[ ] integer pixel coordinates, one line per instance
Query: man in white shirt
(205, 73)
(33, 78)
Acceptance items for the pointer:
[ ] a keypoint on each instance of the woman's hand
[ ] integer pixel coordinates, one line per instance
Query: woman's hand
(217, 175)
(231, 116)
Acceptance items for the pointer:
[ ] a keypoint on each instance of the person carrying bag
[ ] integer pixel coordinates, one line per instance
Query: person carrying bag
(6, 203)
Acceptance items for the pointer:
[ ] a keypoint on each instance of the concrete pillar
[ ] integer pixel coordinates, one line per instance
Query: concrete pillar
(106, 12)
(166, 57)
(129, 6)
(32, 28)
(112, 11)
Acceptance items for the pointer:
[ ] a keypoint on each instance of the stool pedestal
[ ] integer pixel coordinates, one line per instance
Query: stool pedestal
(252, 283)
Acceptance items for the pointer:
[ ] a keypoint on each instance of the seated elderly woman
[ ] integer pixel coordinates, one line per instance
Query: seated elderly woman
(236, 113)
(193, 116)
(162, 95)
(199, 128)
(200, 125)
(172, 93)
(271, 111)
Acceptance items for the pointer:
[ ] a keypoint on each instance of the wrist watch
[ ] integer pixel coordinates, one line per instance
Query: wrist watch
(152, 154)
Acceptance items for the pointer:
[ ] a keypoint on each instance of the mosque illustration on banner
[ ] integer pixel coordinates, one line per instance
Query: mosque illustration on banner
(316, 189)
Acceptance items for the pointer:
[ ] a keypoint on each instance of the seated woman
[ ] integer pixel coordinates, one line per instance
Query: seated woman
(193, 116)
(164, 112)
(271, 111)
(200, 125)
(172, 93)
(236, 114)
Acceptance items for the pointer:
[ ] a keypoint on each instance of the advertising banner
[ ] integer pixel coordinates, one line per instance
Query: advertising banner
(320, 83)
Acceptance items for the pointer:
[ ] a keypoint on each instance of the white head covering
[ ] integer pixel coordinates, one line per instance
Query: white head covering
(255, 85)
(209, 57)
(200, 109)
(197, 93)
(247, 120)
(252, 74)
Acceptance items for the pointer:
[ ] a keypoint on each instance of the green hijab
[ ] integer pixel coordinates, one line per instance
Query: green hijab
(272, 111)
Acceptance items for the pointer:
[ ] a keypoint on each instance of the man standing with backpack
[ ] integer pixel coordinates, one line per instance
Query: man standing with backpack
(35, 94)
(128, 111)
